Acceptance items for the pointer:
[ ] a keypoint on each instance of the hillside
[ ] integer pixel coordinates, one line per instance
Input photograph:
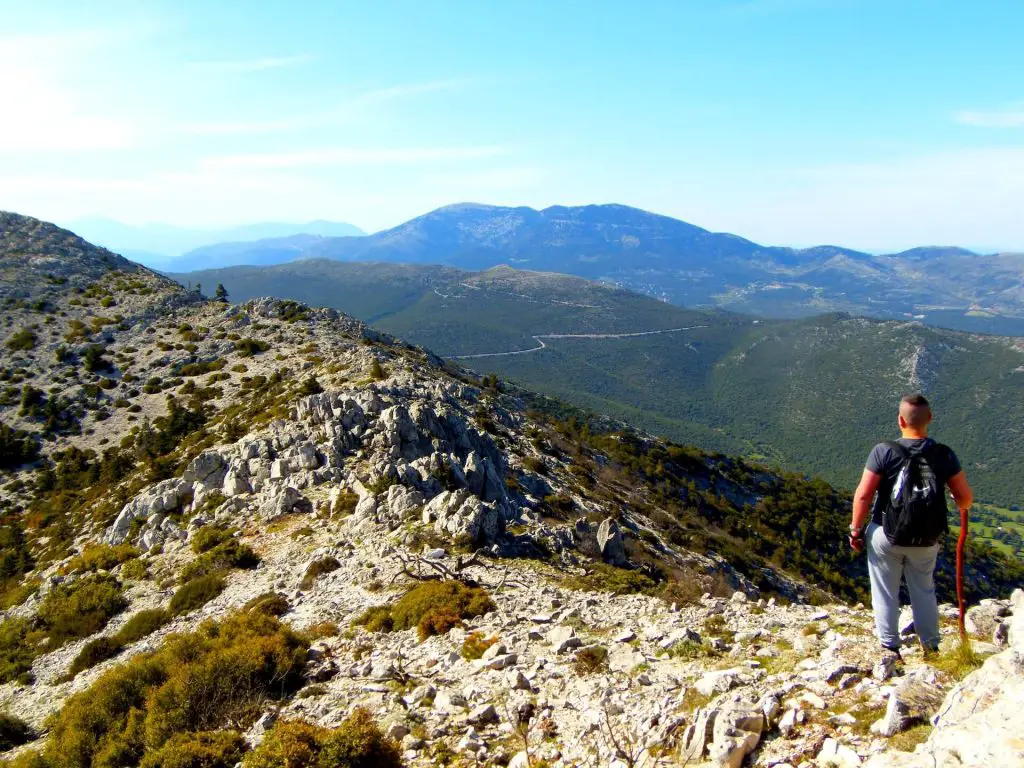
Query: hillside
(690, 266)
(222, 525)
(812, 394)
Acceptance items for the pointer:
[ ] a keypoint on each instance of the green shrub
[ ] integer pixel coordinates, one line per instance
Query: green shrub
(221, 675)
(16, 654)
(101, 557)
(142, 624)
(208, 537)
(250, 347)
(223, 557)
(134, 570)
(318, 568)
(323, 629)
(22, 340)
(357, 743)
(17, 447)
(93, 359)
(94, 652)
(475, 644)
(196, 593)
(433, 607)
(310, 386)
(80, 609)
(13, 732)
(377, 372)
(269, 603)
(205, 749)
(198, 369)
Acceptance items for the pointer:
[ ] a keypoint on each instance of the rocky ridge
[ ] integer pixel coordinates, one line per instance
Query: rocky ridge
(323, 441)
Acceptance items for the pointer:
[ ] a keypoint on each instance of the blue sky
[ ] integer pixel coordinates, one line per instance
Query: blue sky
(870, 124)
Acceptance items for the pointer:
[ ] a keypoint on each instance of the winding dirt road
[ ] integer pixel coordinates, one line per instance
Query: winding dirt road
(541, 345)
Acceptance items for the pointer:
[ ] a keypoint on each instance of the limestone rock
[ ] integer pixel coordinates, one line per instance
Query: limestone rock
(610, 544)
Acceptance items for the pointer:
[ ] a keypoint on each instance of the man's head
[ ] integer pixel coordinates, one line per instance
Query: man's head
(915, 414)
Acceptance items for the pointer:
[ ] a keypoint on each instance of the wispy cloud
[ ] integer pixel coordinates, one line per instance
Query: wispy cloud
(1010, 116)
(351, 108)
(350, 156)
(242, 66)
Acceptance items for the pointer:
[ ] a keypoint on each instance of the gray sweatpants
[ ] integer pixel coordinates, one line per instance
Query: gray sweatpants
(887, 563)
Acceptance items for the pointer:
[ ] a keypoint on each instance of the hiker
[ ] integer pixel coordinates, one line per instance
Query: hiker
(907, 522)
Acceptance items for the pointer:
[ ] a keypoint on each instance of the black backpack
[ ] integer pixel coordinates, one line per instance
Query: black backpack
(915, 513)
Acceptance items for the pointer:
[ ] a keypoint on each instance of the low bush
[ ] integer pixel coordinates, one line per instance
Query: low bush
(323, 629)
(196, 593)
(22, 341)
(205, 749)
(101, 557)
(590, 660)
(199, 369)
(223, 557)
(16, 654)
(269, 603)
(94, 652)
(13, 732)
(208, 537)
(250, 347)
(142, 624)
(318, 568)
(17, 447)
(93, 359)
(81, 608)
(134, 570)
(475, 644)
(357, 743)
(223, 674)
(137, 627)
(433, 607)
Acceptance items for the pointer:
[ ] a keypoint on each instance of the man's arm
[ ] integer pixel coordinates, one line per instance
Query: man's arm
(962, 495)
(862, 498)
(861, 503)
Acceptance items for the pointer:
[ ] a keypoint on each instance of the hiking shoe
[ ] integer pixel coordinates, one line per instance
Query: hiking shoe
(889, 665)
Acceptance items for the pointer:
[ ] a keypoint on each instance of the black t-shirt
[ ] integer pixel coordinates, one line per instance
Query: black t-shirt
(885, 461)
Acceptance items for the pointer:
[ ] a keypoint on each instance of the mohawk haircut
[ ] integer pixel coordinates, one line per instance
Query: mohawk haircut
(915, 410)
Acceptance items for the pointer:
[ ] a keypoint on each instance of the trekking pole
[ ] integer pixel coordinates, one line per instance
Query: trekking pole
(960, 569)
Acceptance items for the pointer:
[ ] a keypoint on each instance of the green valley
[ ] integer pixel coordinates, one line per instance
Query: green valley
(812, 394)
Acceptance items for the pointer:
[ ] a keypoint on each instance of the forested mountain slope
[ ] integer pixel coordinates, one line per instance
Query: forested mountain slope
(812, 394)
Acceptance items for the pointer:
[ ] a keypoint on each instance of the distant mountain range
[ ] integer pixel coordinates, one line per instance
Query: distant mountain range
(683, 264)
(165, 246)
(812, 394)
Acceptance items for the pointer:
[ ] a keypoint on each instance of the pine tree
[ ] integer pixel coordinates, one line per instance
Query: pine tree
(221, 293)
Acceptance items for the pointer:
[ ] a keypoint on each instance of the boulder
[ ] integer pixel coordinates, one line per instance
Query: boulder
(834, 753)
(283, 500)
(609, 542)
(459, 514)
(563, 638)
(720, 681)
(236, 482)
(208, 469)
(165, 496)
(982, 620)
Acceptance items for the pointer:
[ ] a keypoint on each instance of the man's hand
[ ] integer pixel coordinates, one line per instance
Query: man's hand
(857, 539)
